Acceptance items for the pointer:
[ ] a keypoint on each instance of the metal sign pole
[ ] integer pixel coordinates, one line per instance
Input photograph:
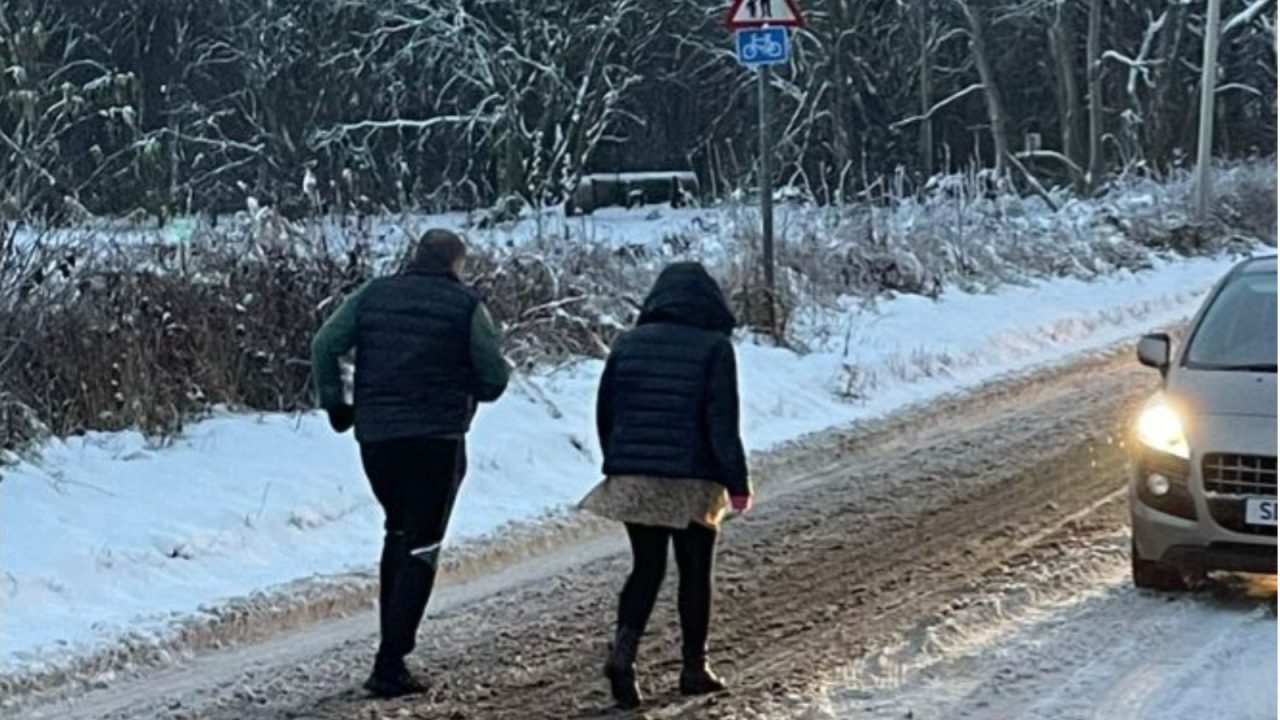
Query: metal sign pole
(766, 199)
(760, 40)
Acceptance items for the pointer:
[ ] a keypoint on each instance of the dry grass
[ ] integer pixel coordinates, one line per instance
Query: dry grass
(123, 337)
(101, 335)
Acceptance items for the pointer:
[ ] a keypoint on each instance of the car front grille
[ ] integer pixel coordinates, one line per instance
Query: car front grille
(1239, 474)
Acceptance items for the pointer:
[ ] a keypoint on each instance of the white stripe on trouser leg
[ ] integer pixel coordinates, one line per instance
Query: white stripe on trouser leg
(427, 553)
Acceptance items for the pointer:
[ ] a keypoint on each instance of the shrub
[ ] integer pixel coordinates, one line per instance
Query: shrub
(109, 336)
(103, 332)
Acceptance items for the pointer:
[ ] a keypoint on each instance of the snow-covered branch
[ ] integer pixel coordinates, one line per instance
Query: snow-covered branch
(340, 132)
(975, 87)
(1246, 16)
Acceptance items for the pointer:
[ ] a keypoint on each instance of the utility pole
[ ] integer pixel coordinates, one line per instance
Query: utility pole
(1208, 94)
(766, 200)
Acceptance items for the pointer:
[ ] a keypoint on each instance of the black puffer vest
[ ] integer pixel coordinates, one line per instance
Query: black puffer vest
(655, 390)
(413, 357)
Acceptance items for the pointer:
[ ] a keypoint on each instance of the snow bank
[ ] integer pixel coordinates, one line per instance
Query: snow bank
(106, 535)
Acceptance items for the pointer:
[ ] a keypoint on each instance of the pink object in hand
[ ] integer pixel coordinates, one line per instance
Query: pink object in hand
(741, 503)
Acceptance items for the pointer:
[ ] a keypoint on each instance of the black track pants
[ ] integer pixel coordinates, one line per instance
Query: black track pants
(416, 481)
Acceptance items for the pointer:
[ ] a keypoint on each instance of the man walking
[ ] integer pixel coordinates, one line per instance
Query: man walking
(426, 353)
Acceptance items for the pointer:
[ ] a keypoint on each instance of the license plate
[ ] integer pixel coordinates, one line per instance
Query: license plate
(1260, 511)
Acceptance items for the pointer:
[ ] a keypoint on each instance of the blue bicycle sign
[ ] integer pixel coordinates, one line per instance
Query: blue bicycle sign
(761, 46)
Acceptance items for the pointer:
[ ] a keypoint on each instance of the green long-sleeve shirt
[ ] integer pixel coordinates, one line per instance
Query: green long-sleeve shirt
(338, 336)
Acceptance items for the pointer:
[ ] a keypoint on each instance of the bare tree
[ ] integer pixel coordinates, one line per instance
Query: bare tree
(1062, 39)
(48, 96)
(996, 117)
(1093, 60)
(114, 105)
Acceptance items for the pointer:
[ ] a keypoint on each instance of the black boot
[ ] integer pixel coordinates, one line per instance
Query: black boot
(696, 678)
(620, 669)
(391, 679)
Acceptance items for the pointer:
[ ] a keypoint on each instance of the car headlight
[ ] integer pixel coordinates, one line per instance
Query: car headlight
(1160, 428)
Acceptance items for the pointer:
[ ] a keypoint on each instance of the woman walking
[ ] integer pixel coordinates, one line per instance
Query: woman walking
(667, 415)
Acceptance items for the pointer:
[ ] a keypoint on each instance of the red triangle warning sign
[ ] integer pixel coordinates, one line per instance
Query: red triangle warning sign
(754, 13)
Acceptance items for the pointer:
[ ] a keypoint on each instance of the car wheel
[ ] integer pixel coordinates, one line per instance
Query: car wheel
(1155, 575)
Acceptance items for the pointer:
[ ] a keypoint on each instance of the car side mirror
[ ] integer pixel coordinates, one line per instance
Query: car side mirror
(1154, 351)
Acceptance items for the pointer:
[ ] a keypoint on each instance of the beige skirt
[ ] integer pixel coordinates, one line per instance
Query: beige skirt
(664, 502)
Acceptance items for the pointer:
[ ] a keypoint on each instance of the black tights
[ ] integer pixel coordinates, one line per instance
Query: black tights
(695, 555)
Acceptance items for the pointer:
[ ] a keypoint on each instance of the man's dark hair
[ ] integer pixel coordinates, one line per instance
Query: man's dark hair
(438, 249)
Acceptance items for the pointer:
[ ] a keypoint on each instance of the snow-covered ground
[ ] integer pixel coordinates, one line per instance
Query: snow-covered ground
(607, 226)
(108, 535)
(1082, 645)
(998, 238)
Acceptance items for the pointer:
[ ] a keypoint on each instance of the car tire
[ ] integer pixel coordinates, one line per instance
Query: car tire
(1155, 575)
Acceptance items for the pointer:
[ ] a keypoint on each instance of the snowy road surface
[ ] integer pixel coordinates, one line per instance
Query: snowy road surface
(960, 560)
(1092, 648)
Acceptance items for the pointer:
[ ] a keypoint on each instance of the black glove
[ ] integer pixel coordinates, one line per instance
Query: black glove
(341, 417)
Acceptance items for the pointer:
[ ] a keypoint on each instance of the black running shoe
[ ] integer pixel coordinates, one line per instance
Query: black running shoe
(396, 683)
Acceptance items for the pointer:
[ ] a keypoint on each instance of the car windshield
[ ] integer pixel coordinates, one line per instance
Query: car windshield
(1239, 330)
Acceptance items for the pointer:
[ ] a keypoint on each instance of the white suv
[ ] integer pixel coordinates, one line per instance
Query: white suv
(1203, 485)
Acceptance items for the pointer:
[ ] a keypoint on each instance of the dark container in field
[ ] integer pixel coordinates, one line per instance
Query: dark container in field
(676, 187)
